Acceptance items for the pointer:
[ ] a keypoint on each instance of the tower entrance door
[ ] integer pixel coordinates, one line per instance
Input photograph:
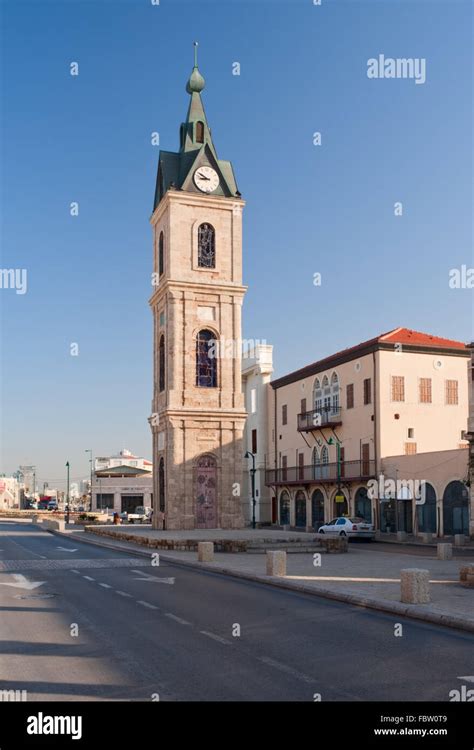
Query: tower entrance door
(206, 485)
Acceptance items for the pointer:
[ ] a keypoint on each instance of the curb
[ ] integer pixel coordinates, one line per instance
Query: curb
(414, 611)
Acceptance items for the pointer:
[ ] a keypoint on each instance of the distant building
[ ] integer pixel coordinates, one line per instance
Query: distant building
(123, 458)
(122, 488)
(257, 368)
(470, 436)
(9, 493)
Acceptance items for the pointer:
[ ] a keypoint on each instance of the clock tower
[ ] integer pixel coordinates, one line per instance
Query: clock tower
(198, 412)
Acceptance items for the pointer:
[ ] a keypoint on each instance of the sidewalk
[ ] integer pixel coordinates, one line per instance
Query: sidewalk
(364, 576)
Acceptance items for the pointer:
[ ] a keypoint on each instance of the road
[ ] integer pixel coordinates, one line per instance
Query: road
(101, 625)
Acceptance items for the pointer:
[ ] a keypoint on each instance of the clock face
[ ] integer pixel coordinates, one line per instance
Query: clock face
(206, 179)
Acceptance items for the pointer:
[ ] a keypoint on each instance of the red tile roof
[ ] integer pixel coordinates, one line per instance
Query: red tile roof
(396, 336)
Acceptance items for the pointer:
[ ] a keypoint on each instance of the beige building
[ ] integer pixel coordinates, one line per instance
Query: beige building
(470, 437)
(333, 423)
(122, 489)
(198, 412)
(257, 368)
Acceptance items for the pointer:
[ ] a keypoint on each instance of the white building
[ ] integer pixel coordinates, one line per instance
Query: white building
(9, 493)
(123, 458)
(257, 369)
(122, 488)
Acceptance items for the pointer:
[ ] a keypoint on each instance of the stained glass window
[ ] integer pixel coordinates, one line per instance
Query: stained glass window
(206, 360)
(206, 246)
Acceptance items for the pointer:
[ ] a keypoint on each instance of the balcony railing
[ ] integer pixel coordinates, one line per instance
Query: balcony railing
(313, 474)
(326, 416)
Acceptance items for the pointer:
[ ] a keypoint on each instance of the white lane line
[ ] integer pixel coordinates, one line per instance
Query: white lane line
(146, 604)
(177, 619)
(216, 637)
(284, 668)
(88, 578)
(105, 585)
(43, 557)
(123, 593)
(76, 571)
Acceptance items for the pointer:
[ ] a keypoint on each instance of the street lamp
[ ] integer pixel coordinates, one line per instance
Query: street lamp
(67, 493)
(252, 476)
(89, 450)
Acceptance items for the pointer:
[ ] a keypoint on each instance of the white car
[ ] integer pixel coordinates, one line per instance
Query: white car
(351, 527)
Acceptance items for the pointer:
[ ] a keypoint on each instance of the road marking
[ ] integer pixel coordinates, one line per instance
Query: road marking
(89, 578)
(66, 549)
(284, 668)
(76, 571)
(216, 637)
(145, 604)
(468, 678)
(123, 593)
(177, 619)
(43, 557)
(149, 577)
(105, 585)
(22, 583)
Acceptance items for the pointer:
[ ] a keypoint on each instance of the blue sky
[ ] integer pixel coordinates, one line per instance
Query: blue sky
(326, 209)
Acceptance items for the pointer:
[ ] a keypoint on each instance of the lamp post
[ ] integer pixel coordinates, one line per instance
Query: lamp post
(89, 450)
(67, 492)
(252, 478)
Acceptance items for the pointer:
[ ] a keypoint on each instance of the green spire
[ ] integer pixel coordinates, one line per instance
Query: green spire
(195, 132)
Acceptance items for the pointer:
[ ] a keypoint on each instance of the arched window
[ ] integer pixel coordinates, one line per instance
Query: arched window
(206, 360)
(456, 509)
(300, 509)
(324, 462)
(317, 395)
(161, 485)
(199, 132)
(317, 509)
(335, 393)
(206, 246)
(284, 508)
(316, 464)
(161, 363)
(326, 396)
(427, 511)
(161, 255)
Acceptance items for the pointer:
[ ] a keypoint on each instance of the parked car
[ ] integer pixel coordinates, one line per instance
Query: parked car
(142, 514)
(52, 505)
(351, 527)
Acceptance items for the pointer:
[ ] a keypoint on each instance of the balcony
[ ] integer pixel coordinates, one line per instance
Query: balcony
(326, 416)
(351, 471)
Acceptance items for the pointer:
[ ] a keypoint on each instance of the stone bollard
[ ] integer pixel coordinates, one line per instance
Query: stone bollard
(464, 571)
(426, 537)
(276, 563)
(205, 551)
(415, 586)
(459, 540)
(401, 536)
(445, 551)
(469, 580)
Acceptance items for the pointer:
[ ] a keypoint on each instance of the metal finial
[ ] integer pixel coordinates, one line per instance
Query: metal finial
(196, 44)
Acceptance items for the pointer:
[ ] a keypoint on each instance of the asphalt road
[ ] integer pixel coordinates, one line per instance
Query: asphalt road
(105, 625)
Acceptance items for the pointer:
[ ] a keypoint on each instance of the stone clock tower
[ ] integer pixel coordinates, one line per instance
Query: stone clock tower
(198, 412)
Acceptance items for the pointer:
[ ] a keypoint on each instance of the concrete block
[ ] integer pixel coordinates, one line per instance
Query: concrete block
(459, 540)
(444, 551)
(205, 551)
(276, 563)
(401, 536)
(470, 580)
(464, 571)
(415, 586)
(426, 537)
(54, 524)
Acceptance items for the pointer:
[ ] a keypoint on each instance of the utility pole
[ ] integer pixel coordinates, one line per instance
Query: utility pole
(67, 484)
(252, 478)
(89, 450)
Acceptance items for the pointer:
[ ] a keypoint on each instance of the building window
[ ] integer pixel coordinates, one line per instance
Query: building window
(206, 246)
(452, 392)
(301, 466)
(161, 363)
(335, 393)
(410, 449)
(254, 441)
(199, 132)
(162, 319)
(317, 396)
(411, 433)
(367, 391)
(303, 406)
(161, 485)
(161, 255)
(206, 360)
(284, 414)
(284, 466)
(253, 400)
(398, 388)
(365, 459)
(350, 396)
(425, 390)
(342, 459)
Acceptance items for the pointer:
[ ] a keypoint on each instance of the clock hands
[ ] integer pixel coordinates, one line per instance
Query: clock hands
(202, 177)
